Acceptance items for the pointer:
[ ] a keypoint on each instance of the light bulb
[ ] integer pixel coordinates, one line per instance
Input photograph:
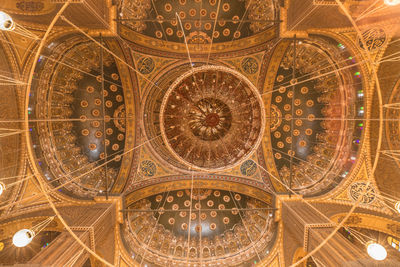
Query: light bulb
(376, 251)
(6, 22)
(2, 188)
(392, 2)
(396, 206)
(23, 237)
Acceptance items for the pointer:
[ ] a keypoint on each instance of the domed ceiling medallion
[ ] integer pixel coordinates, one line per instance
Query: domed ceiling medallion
(212, 118)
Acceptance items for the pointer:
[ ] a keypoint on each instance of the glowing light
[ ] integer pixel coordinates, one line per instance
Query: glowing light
(392, 2)
(397, 206)
(376, 251)
(2, 188)
(6, 22)
(23, 237)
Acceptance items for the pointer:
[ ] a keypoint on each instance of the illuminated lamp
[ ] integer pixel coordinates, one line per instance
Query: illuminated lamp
(396, 206)
(6, 22)
(392, 2)
(376, 251)
(23, 237)
(2, 188)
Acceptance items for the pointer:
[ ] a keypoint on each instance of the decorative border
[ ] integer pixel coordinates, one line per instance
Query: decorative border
(248, 187)
(173, 49)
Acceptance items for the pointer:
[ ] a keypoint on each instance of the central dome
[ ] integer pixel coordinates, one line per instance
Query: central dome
(211, 118)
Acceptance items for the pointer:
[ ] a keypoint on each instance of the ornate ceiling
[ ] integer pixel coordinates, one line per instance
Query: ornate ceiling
(200, 133)
(311, 141)
(210, 225)
(161, 19)
(211, 118)
(84, 143)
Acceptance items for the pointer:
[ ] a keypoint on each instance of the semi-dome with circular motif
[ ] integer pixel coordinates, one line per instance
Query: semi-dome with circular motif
(216, 227)
(315, 122)
(236, 19)
(212, 118)
(81, 121)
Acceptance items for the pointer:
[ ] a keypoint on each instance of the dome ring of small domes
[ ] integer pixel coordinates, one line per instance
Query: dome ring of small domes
(259, 124)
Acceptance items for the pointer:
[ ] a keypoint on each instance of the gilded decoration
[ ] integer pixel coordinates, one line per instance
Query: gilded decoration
(192, 159)
(148, 168)
(356, 190)
(216, 221)
(145, 189)
(12, 155)
(137, 12)
(204, 132)
(92, 138)
(271, 71)
(145, 65)
(369, 221)
(248, 168)
(303, 138)
(28, 7)
(201, 48)
(392, 124)
(250, 65)
(157, 20)
(374, 38)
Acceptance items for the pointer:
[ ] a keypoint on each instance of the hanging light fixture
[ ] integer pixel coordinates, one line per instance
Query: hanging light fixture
(24, 236)
(392, 2)
(397, 206)
(2, 188)
(6, 22)
(376, 251)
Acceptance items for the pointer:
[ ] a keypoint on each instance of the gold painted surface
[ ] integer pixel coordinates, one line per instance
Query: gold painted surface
(162, 45)
(161, 170)
(361, 176)
(23, 46)
(198, 183)
(145, 80)
(31, 195)
(28, 7)
(298, 255)
(237, 63)
(368, 221)
(236, 171)
(128, 88)
(268, 85)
